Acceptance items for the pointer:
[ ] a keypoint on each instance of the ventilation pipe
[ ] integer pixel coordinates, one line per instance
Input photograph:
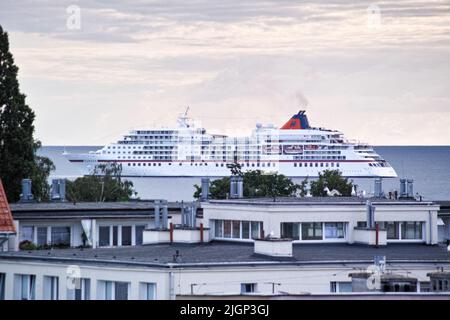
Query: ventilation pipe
(378, 188)
(403, 192)
(26, 195)
(164, 217)
(410, 189)
(59, 190)
(205, 189)
(240, 187)
(370, 213)
(233, 187)
(157, 217)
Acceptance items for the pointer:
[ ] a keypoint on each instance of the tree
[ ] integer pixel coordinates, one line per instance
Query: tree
(333, 180)
(256, 184)
(103, 185)
(18, 159)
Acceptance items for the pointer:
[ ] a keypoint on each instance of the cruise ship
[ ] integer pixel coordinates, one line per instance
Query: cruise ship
(296, 149)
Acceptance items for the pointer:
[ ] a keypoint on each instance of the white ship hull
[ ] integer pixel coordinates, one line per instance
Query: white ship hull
(209, 169)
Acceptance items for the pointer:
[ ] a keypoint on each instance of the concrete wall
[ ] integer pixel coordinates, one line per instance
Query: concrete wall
(369, 237)
(272, 216)
(314, 279)
(76, 229)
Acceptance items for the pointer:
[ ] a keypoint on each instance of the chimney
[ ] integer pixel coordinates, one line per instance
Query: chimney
(157, 215)
(164, 217)
(403, 192)
(378, 188)
(205, 189)
(240, 187)
(410, 189)
(59, 190)
(233, 187)
(370, 213)
(26, 195)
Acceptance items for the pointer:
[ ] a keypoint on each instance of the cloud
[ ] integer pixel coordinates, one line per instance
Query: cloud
(235, 63)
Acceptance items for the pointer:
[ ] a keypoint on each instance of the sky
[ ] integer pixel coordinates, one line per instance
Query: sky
(94, 69)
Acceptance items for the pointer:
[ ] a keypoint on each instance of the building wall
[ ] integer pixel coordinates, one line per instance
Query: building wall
(76, 229)
(273, 216)
(313, 279)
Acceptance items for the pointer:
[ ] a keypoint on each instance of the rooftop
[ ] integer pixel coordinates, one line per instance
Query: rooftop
(66, 210)
(227, 253)
(319, 201)
(79, 206)
(6, 220)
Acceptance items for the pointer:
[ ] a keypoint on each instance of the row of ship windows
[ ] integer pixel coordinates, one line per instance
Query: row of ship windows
(326, 164)
(243, 165)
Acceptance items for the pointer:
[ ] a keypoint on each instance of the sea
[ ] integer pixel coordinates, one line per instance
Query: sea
(428, 166)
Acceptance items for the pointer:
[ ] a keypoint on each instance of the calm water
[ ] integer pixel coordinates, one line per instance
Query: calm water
(428, 166)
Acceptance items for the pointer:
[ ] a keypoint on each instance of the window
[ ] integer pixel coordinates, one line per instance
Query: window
(24, 287)
(81, 290)
(256, 233)
(361, 224)
(248, 287)
(42, 236)
(51, 288)
(115, 235)
(126, 235)
(411, 230)
(26, 233)
(218, 232)
(147, 291)
(61, 236)
(340, 286)
(2, 286)
(121, 291)
(312, 231)
(236, 229)
(227, 228)
(104, 236)
(139, 235)
(290, 230)
(334, 230)
(113, 290)
(245, 230)
(392, 230)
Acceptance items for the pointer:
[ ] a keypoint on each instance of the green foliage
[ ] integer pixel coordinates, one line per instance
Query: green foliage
(104, 185)
(256, 184)
(333, 180)
(27, 245)
(302, 190)
(18, 148)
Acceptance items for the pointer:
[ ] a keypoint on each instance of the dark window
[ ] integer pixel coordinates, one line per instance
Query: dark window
(139, 234)
(312, 231)
(227, 228)
(392, 230)
(121, 291)
(103, 236)
(248, 287)
(245, 230)
(236, 229)
(2, 286)
(290, 230)
(61, 236)
(126, 235)
(412, 230)
(41, 236)
(115, 235)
